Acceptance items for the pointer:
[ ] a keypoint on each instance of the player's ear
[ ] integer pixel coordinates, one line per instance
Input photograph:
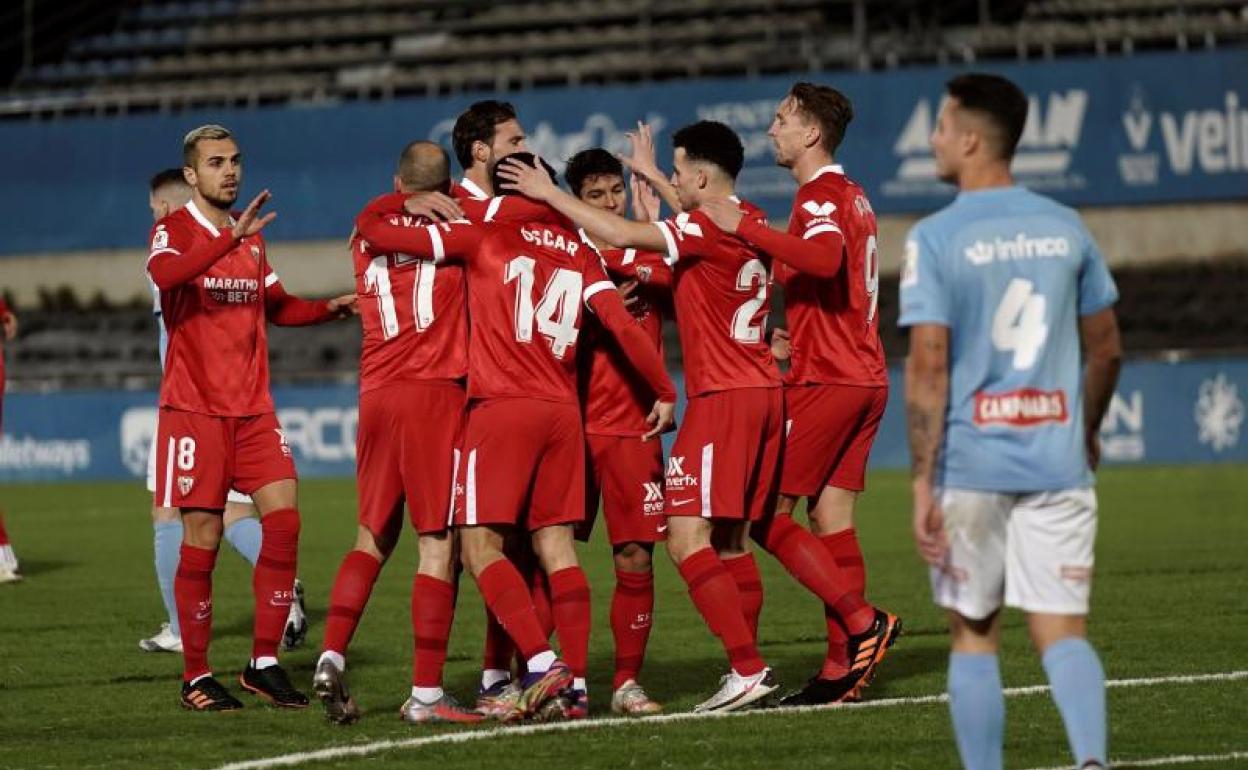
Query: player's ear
(480, 151)
(188, 173)
(398, 184)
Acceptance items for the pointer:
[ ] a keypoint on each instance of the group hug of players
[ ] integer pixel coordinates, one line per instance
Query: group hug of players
(499, 411)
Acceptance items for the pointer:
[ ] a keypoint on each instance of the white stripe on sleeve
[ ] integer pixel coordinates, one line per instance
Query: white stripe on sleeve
(435, 238)
(594, 288)
(673, 253)
(820, 230)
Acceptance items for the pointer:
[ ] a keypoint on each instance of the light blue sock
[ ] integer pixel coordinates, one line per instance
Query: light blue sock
(245, 535)
(1078, 684)
(167, 543)
(977, 706)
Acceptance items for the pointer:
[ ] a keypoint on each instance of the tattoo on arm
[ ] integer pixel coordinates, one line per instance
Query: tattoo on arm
(927, 396)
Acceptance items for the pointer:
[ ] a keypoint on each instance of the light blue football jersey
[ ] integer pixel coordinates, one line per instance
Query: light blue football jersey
(160, 322)
(1009, 272)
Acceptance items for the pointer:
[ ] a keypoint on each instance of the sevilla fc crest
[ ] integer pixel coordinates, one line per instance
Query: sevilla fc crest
(255, 252)
(184, 484)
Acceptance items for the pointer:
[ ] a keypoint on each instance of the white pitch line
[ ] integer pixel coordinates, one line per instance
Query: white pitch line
(364, 749)
(1178, 759)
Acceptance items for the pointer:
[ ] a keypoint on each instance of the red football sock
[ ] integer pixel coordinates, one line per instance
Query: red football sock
(192, 592)
(632, 608)
(273, 579)
(744, 571)
(352, 586)
(4, 534)
(433, 609)
(539, 589)
(508, 598)
(715, 595)
(843, 546)
(806, 559)
(499, 648)
(569, 602)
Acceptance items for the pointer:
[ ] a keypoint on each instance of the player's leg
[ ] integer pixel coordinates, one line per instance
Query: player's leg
(429, 459)
(556, 505)
(263, 468)
(976, 699)
(242, 528)
(9, 571)
(632, 617)
(379, 491)
(1049, 572)
(192, 475)
(502, 448)
(166, 541)
(970, 584)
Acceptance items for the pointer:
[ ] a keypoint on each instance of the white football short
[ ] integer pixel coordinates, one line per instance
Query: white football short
(1033, 551)
(234, 495)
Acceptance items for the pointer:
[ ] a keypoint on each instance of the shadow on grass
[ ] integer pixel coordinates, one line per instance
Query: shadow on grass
(36, 568)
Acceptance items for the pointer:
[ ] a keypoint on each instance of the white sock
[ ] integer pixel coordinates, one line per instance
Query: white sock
(427, 695)
(336, 658)
(492, 676)
(263, 662)
(578, 683)
(541, 662)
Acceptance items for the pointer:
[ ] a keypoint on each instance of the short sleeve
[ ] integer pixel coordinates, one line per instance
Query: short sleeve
(1097, 289)
(687, 235)
(924, 290)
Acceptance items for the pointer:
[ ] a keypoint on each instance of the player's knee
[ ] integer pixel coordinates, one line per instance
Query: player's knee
(555, 547)
(633, 557)
(161, 514)
(202, 530)
(437, 555)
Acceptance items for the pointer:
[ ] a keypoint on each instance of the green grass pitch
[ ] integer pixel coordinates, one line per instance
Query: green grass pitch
(1171, 597)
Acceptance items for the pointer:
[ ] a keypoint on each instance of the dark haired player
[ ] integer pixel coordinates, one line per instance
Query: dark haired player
(1002, 422)
(523, 454)
(626, 473)
(837, 386)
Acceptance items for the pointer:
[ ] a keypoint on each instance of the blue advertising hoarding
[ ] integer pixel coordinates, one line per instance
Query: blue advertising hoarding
(1147, 128)
(1184, 412)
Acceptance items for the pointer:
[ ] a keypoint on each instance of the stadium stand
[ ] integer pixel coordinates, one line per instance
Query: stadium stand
(170, 54)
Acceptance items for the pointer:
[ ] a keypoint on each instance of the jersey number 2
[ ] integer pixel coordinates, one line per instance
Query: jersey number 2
(556, 314)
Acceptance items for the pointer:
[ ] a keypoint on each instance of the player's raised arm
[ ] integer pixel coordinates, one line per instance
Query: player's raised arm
(449, 240)
(818, 251)
(602, 299)
(612, 228)
(642, 162)
(169, 266)
(286, 309)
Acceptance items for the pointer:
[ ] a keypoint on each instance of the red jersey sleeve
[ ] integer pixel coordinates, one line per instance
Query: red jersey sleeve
(438, 242)
(286, 309)
(647, 267)
(689, 235)
(4, 308)
(172, 261)
(817, 249)
(601, 297)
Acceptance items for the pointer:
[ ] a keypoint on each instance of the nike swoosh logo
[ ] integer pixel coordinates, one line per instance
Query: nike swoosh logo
(203, 615)
(636, 627)
(662, 528)
(681, 502)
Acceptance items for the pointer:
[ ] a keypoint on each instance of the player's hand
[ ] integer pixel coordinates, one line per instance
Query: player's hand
(646, 201)
(247, 223)
(346, 305)
(724, 213)
(929, 524)
(9, 322)
(522, 178)
(628, 293)
(434, 206)
(781, 346)
(661, 417)
(1092, 442)
(641, 161)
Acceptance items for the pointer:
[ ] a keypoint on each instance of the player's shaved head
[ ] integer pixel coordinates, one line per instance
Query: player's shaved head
(168, 191)
(423, 167)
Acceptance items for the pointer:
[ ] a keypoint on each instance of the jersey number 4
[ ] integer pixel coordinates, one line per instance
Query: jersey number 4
(1018, 324)
(377, 280)
(556, 314)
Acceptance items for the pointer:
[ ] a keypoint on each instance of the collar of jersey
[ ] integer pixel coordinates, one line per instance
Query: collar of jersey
(203, 220)
(834, 168)
(473, 189)
(987, 192)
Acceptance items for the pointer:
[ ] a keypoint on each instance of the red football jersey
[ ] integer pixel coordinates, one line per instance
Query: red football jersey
(722, 294)
(614, 398)
(218, 357)
(413, 314)
(834, 322)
